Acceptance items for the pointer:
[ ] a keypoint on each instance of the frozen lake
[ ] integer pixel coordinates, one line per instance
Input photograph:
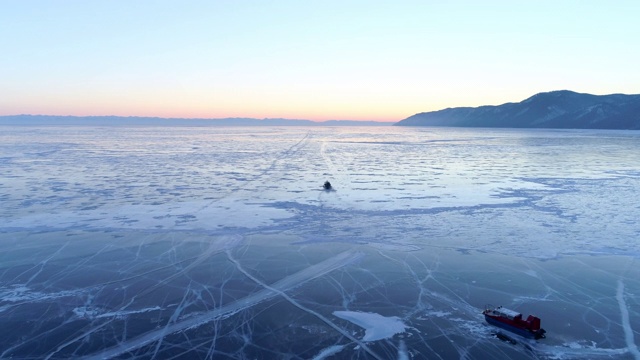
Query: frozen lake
(219, 242)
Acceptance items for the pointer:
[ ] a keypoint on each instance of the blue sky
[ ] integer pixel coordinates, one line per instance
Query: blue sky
(319, 60)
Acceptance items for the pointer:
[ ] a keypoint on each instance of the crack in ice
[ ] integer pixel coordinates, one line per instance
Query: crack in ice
(626, 324)
(289, 282)
(305, 309)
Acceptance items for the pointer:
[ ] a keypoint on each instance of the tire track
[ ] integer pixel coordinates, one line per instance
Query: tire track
(286, 154)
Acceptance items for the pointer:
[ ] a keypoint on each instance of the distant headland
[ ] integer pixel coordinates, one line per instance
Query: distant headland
(555, 110)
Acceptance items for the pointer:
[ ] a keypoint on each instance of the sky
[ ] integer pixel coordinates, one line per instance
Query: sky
(307, 59)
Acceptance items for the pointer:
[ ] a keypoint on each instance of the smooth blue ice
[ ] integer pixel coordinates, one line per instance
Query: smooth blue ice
(220, 242)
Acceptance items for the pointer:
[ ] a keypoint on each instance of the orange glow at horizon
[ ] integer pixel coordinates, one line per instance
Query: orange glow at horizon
(206, 113)
(166, 107)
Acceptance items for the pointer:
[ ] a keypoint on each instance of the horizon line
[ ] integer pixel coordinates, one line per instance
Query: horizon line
(161, 118)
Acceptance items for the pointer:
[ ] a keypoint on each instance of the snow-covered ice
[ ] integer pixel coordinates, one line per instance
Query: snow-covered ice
(220, 242)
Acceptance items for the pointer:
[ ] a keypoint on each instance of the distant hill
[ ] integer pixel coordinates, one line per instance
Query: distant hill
(556, 109)
(155, 121)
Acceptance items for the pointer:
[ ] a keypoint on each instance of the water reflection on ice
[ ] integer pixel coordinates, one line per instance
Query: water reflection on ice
(220, 242)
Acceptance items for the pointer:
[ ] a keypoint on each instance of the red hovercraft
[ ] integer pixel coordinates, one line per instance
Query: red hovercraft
(512, 321)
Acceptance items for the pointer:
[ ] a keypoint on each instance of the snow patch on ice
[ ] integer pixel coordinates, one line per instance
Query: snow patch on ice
(377, 327)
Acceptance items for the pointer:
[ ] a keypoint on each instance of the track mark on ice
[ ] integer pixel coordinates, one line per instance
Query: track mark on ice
(286, 154)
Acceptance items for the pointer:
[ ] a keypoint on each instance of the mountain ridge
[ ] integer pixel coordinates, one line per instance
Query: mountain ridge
(560, 109)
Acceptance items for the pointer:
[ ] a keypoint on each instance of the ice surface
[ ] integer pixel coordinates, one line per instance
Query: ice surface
(227, 310)
(220, 242)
